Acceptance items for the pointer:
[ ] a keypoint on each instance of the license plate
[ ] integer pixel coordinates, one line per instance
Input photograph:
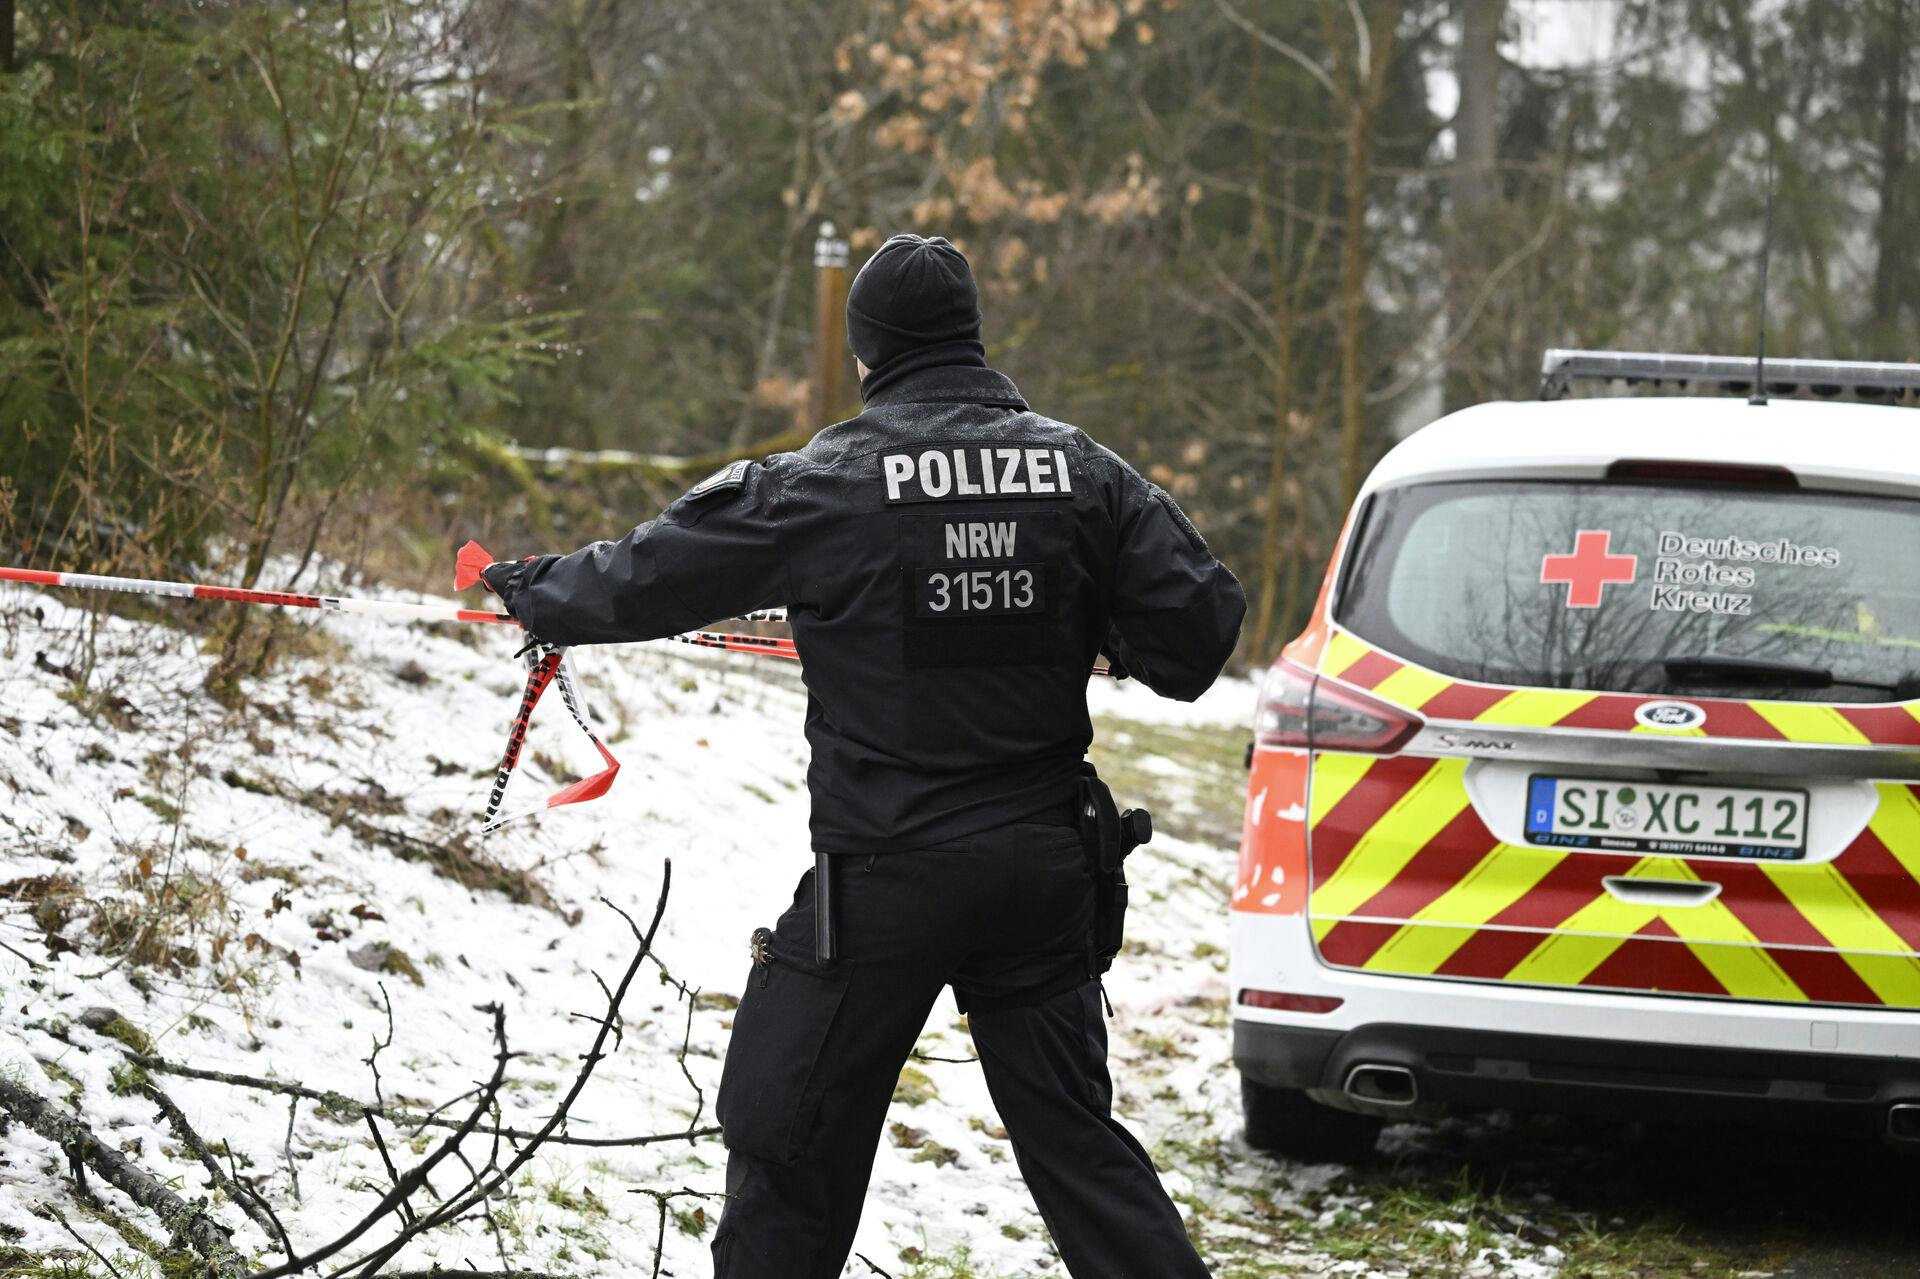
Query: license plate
(1655, 817)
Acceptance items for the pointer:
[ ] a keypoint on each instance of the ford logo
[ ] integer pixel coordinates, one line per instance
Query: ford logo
(1670, 715)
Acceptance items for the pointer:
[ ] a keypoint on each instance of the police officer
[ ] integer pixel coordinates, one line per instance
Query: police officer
(952, 563)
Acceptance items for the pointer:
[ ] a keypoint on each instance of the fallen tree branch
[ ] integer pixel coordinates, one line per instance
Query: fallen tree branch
(461, 1203)
(245, 1201)
(416, 1176)
(182, 1221)
(353, 1108)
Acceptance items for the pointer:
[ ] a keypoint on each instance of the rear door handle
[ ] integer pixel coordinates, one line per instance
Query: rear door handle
(1661, 892)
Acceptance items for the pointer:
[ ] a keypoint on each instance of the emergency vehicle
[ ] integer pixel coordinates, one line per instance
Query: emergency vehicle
(1593, 783)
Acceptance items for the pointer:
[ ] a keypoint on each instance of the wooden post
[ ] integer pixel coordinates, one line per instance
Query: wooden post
(829, 326)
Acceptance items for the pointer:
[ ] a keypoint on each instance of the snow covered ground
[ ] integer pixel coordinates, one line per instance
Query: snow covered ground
(246, 889)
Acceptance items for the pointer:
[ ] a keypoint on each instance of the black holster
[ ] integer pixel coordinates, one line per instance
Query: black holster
(1108, 835)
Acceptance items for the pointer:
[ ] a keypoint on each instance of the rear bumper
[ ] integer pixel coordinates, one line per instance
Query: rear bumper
(1491, 1045)
(1483, 1069)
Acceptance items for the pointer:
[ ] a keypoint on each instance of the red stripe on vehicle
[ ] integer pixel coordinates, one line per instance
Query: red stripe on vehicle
(1490, 954)
(1757, 902)
(1884, 885)
(1370, 670)
(1738, 719)
(1445, 860)
(1352, 944)
(1823, 976)
(1604, 711)
(1567, 888)
(1360, 809)
(1574, 883)
(1655, 964)
(1462, 701)
(1883, 725)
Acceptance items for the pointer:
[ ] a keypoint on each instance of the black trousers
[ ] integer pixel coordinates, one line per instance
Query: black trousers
(1004, 917)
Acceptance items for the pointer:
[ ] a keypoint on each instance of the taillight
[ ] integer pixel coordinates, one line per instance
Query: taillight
(1283, 1001)
(1302, 711)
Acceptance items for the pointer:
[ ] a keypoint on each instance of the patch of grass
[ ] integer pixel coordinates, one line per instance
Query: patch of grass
(253, 871)
(18, 1263)
(128, 1079)
(1427, 1219)
(120, 1029)
(1200, 798)
(166, 811)
(240, 781)
(401, 964)
(582, 1201)
(915, 1087)
(957, 1264)
(925, 1149)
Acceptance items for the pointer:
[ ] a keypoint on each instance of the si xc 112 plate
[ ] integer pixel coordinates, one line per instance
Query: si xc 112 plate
(1661, 817)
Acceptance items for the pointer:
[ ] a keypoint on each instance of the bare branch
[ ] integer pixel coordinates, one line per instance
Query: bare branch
(460, 1204)
(353, 1108)
(182, 1221)
(177, 1119)
(1288, 51)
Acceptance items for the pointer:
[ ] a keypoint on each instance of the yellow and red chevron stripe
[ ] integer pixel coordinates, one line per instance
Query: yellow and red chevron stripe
(1354, 661)
(1407, 879)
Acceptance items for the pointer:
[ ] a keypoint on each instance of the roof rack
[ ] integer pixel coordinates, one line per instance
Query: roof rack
(1732, 374)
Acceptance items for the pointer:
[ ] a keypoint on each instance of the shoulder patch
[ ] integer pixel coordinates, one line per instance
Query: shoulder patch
(727, 478)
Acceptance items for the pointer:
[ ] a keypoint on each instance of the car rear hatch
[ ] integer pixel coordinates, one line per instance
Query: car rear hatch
(1646, 736)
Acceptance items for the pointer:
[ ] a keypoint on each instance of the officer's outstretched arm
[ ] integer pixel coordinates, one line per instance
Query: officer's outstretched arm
(712, 554)
(1176, 609)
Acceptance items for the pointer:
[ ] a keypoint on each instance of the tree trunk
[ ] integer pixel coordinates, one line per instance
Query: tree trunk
(1353, 296)
(1363, 66)
(1892, 235)
(1475, 193)
(1274, 551)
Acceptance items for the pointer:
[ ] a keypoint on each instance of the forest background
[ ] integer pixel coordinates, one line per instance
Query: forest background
(287, 284)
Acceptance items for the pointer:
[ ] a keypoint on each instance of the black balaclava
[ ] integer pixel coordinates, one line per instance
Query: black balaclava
(913, 306)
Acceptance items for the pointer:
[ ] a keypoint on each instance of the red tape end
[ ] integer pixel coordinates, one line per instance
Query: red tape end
(587, 787)
(467, 565)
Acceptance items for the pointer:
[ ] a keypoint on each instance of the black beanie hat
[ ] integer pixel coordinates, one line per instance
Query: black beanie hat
(913, 305)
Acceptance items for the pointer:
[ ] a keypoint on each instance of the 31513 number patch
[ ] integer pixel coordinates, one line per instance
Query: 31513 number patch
(973, 591)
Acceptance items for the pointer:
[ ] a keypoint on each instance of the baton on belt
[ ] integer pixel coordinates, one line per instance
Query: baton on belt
(823, 936)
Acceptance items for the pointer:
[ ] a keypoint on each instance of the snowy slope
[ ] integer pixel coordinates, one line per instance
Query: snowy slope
(145, 782)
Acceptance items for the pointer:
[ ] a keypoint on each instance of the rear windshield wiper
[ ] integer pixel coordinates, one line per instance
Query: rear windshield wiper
(1710, 668)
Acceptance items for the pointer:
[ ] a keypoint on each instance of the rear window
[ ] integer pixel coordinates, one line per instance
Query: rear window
(1642, 588)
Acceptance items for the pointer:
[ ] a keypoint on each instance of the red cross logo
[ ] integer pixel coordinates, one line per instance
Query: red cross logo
(1587, 572)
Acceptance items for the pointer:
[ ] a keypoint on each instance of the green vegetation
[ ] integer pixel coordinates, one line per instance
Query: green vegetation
(915, 1087)
(1228, 239)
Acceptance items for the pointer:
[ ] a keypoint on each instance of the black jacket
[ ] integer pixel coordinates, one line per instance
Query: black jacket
(952, 563)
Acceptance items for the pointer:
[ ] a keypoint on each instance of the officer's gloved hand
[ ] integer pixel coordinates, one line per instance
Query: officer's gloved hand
(502, 577)
(507, 578)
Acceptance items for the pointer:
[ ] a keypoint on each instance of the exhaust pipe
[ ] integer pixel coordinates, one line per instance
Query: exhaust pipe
(1903, 1121)
(1382, 1085)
